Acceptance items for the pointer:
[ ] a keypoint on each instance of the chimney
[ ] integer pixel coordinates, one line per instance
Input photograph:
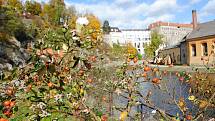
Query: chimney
(194, 17)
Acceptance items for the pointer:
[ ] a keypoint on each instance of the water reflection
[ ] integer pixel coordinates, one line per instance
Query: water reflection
(162, 96)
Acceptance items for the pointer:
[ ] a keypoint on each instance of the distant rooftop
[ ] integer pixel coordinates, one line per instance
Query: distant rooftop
(114, 29)
(160, 23)
(171, 47)
(134, 29)
(203, 30)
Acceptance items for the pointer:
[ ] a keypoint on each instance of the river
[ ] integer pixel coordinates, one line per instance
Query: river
(161, 98)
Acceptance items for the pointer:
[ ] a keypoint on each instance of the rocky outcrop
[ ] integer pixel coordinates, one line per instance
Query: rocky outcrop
(12, 54)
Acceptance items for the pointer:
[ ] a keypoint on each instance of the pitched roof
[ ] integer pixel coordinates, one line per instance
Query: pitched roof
(171, 47)
(203, 30)
(114, 29)
(160, 23)
(135, 29)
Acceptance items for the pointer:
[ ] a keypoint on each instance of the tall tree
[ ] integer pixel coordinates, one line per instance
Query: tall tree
(10, 23)
(156, 41)
(106, 27)
(59, 10)
(71, 16)
(94, 26)
(1, 2)
(54, 11)
(16, 4)
(33, 7)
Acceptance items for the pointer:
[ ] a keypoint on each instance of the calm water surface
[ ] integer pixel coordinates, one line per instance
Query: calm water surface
(160, 98)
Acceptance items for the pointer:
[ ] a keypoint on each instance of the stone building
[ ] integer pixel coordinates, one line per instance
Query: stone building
(183, 52)
(173, 52)
(172, 33)
(200, 44)
(197, 47)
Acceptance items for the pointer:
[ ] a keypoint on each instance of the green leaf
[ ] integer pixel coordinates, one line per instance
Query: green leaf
(1, 107)
(15, 108)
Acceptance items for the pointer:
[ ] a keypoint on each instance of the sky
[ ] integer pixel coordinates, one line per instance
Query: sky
(138, 14)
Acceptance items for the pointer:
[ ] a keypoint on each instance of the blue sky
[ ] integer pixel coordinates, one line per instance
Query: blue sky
(140, 13)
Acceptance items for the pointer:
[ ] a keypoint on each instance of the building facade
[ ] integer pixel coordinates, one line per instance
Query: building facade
(137, 37)
(174, 54)
(183, 53)
(172, 33)
(114, 36)
(200, 44)
(197, 47)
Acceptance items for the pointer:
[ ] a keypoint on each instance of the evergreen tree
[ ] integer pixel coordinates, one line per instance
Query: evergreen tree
(106, 27)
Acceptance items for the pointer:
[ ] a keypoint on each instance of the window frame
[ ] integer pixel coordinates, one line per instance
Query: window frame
(204, 47)
(193, 53)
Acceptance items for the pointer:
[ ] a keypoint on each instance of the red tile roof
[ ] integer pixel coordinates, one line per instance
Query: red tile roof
(160, 23)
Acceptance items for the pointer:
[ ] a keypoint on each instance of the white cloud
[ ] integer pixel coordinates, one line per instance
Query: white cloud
(194, 1)
(162, 7)
(208, 9)
(125, 3)
(130, 13)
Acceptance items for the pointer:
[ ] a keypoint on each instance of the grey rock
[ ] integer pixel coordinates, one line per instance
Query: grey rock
(12, 54)
(8, 66)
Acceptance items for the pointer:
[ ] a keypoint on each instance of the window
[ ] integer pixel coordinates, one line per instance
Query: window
(213, 46)
(138, 46)
(204, 49)
(193, 47)
(138, 50)
(143, 44)
(135, 44)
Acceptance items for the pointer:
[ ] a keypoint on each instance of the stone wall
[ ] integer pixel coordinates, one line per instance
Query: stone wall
(174, 54)
(12, 54)
(183, 52)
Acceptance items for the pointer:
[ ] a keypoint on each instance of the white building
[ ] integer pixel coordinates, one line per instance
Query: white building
(137, 37)
(115, 36)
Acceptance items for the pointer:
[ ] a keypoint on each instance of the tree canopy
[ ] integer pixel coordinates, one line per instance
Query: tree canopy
(94, 26)
(10, 22)
(16, 4)
(156, 41)
(106, 27)
(54, 11)
(33, 7)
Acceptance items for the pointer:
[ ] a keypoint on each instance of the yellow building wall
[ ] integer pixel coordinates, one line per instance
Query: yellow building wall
(196, 60)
